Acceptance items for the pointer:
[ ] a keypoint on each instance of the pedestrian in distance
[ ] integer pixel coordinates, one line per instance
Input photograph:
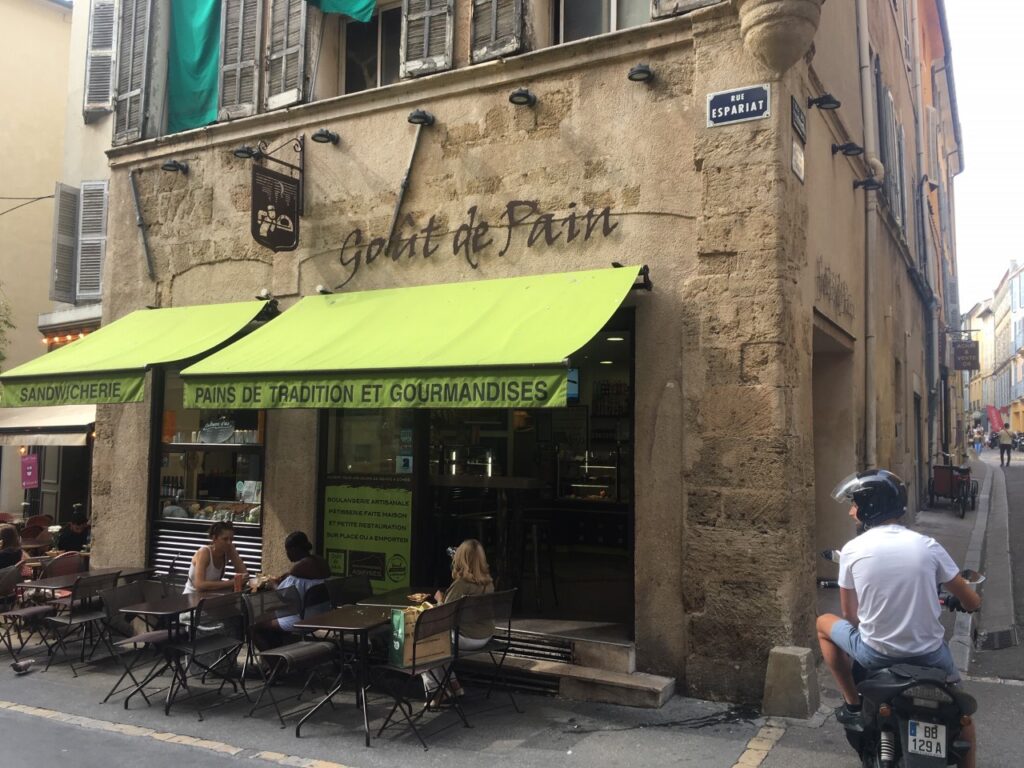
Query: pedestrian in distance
(979, 439)
(1005, 444)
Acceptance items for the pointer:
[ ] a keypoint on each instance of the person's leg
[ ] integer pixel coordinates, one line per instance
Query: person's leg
(967, 733)
(836, 658)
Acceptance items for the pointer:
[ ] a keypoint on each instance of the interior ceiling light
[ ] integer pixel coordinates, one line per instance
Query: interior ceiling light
(615, 338)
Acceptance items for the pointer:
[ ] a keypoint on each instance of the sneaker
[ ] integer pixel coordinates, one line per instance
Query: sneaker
(850, 720)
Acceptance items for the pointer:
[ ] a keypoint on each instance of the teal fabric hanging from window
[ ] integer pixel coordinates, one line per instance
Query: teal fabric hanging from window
(193, 62)
(360, 10)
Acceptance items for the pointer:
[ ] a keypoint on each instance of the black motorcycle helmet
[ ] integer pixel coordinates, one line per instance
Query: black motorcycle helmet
(878, 493)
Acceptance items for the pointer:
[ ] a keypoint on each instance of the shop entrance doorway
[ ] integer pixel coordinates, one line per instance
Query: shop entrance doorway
(549, 492)
(833, 424)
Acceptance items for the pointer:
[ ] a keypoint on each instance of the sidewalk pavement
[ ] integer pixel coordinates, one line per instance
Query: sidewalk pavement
(35, 708)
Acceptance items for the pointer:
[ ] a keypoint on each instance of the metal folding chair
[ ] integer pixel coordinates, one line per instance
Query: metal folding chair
(441, 620)
(348, 590)
(495, 609)
(83, 614)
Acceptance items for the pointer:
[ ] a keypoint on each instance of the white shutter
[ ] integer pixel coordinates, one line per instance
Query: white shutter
(132, 70)
(497, 29)
(286, 54)
(240, 22)
(65, 236)
(99, 59)
(426, 36)
(662, 8)
(933, 146)
(92, 239)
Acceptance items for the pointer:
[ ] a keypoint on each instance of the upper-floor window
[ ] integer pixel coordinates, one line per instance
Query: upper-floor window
(373, 50)
(587, 18)
(892, 142)
(79, 242)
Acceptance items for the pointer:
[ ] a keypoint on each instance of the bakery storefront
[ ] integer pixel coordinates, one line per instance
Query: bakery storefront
(494, 409)
(204, 464)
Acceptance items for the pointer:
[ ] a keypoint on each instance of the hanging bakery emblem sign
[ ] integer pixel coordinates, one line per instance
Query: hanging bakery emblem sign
(275, 209)
(739, 105)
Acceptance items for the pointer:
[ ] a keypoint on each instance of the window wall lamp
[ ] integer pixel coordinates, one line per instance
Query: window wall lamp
(849, 149)
(175, 166)
(870, 184)
(825, 101)
(325, 136)
(641, 73)
(521, 97)
(421, 117)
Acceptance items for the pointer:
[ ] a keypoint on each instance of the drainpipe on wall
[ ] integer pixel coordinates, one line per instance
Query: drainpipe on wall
(871, 227)
(920, 193)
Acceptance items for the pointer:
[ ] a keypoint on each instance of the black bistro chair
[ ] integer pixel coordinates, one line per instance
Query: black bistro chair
(401, 682)
(494, 608)
(348, 590)
(298, 656)
(83, 615)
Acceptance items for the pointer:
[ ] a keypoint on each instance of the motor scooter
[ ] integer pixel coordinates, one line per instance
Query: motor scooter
(911, 717)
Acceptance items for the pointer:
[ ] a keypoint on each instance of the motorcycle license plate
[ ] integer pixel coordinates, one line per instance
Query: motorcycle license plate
(926, 738)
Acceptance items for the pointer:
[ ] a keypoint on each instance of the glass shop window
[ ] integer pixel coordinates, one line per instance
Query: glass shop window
(370, 442)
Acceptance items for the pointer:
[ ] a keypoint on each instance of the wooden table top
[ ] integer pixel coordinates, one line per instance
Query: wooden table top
(348, 618)
(396, 598)
(68, 580)
(172, 605)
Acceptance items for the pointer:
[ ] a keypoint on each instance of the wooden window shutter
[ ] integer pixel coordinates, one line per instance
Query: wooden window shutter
(426, 36)
(933, 147)
(662, 8)
(240, 22)
(497, 29)
(92, 239)
(900, 208)
(99, 59)
(65, 237)
(132, 70)
(286, 53)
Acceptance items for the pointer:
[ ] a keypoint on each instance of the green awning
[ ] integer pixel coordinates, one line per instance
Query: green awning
(488, 343)
(109, 365)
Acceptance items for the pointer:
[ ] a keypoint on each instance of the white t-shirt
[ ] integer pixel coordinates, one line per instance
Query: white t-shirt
(896, 573)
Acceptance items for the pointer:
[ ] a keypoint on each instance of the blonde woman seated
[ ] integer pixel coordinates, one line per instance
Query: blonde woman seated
(206, 573)
(470, 576)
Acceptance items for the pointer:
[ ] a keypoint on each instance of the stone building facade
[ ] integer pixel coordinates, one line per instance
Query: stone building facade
(765, 368)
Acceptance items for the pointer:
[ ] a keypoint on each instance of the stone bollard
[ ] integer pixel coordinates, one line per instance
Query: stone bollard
(790, 683)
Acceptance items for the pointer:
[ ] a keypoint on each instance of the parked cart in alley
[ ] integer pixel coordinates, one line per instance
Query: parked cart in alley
(953, 481)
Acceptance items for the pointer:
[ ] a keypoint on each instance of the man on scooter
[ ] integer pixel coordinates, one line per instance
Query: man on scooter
(888, 579)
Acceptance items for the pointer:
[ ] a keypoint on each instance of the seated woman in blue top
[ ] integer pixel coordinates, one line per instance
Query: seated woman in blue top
(307, 571)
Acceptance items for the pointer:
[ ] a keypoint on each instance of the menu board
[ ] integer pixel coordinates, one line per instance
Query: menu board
(368, 532)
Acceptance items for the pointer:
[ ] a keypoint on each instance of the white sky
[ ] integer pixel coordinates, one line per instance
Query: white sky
(987, 65)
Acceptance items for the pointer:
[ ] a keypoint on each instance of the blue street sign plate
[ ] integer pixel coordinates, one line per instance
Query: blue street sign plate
(739, 105)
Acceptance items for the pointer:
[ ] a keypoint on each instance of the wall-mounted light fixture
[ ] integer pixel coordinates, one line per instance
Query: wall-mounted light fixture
(870, 184)
(325, 136)
(323, 290)
(246, 152)
(421, 117)
(175, 166)
(521, 97)
(849, 149)
(641, 73)
(264, 295)
(825, 101)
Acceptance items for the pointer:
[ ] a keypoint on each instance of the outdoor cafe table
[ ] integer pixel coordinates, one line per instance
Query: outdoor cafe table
(396, 598)
(167, 610)
(358, 621)
(67, 580)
